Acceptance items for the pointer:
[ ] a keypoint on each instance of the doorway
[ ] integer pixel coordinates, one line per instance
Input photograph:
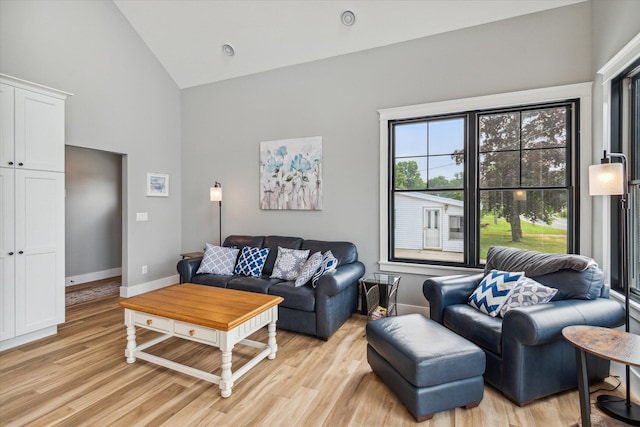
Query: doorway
(431, 228)
(93, 215)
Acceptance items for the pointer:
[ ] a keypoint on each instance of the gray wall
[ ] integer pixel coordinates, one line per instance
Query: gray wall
(93, 211)
(124, 102)
(337, 98)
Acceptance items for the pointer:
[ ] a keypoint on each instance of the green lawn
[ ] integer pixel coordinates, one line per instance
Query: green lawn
(535, 237)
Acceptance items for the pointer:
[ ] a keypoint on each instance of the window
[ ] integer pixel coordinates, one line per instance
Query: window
(456, 227)
(625, 138)
(465, 175)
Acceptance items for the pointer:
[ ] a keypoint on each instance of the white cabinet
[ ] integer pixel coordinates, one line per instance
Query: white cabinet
(31, 211)
(34, 134)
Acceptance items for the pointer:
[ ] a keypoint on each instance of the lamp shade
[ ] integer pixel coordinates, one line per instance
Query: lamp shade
(606, 179)
(215, 193)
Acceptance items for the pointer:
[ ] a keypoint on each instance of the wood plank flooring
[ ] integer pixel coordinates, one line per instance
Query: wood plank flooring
(80, 378)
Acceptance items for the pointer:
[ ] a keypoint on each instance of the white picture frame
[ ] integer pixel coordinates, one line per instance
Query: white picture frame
(157, 185)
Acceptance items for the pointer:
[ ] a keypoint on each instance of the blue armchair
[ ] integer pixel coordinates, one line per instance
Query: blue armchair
(527, 357)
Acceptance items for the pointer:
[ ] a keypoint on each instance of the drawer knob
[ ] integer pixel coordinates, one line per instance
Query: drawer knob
(149, 321)
(192, 332)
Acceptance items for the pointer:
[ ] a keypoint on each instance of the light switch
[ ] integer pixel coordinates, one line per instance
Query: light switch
(142, 216)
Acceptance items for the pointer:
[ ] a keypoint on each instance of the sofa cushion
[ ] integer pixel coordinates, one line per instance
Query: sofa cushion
(300, 298)
(327, 265)
(212, 280)
(251, 261)
(309, 268)
(571, 284)
(242, 241)
(345, 252)
(527, 292)
(272, 242)
(493, 291)
(218, 260)
(477, 327)
(259, 285)
(288, 263)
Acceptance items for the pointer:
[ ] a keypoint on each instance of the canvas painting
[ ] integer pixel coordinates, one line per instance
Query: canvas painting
(291, 174)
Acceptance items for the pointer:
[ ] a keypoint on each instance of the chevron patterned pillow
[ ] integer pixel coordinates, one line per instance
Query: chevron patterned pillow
(493, 291)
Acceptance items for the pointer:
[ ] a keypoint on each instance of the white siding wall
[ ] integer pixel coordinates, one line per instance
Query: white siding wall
(408, 232)
(409, 223)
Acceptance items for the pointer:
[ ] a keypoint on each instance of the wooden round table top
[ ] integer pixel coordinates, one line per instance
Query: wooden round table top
(611, 344)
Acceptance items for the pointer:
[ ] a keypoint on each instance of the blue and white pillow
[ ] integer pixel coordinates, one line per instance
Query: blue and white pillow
(251, 261)
(527, 292)
(218, 260)
(493, 291)
(328, 264)
(288, 263)
(308, 269)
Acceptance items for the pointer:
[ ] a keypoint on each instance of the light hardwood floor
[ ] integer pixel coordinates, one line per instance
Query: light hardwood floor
(80, 378)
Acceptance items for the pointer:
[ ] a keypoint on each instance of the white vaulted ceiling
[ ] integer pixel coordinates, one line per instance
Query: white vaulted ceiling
(187, 35)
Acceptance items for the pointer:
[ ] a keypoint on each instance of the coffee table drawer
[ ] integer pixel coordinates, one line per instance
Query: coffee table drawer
(194, 332)
(150, 321)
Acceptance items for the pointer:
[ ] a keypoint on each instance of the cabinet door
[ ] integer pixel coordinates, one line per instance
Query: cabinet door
(39, 198)
(7, 262)
(39, 131)
(6, 125)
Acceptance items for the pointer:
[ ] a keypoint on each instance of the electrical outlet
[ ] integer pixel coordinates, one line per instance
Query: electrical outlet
(144, 269)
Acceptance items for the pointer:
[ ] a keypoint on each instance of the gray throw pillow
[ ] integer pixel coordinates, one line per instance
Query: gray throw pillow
(527, 292)
(288, 263)
(218, 260)
(308, 269)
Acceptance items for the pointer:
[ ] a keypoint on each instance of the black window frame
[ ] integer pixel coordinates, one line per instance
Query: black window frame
(471, 190)
(629, 76)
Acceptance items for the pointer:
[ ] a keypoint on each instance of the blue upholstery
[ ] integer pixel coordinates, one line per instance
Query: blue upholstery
(527, 357)
(427, 366)
(320, 311)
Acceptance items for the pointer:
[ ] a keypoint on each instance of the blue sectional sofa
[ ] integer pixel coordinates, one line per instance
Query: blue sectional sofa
(318, 311)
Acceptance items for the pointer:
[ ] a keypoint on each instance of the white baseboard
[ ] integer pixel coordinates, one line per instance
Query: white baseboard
(131, 291)
(91, 277)
(26, 338)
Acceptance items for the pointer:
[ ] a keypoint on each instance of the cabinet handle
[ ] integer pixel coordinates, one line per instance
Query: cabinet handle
(20, 164)
(192, 332)
(20, 252)
(149, 321)
(10, 163)
(10, 253)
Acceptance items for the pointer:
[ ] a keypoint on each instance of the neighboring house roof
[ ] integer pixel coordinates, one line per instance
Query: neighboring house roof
(432, 198)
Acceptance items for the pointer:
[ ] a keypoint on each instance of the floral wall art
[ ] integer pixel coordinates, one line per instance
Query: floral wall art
(291, 174)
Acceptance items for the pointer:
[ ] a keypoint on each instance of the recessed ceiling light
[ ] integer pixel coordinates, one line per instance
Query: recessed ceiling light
(228, 49)
(348, 18)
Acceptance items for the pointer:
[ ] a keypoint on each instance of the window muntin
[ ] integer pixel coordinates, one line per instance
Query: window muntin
(526, 148)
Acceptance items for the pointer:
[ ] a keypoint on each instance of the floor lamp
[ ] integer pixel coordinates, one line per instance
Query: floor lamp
(215, 195)
(611, 179)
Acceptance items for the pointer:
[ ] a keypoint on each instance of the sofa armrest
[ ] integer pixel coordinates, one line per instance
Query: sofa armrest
(542, 323)
(346, 275)
(447, 290)
(187, 268)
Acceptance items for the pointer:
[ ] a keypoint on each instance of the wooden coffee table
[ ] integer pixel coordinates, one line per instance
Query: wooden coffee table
(215, 316)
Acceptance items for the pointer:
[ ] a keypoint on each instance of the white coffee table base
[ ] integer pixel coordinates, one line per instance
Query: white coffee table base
(224, 340)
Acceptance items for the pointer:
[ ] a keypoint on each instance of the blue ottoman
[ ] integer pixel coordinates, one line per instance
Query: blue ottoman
(427, 366)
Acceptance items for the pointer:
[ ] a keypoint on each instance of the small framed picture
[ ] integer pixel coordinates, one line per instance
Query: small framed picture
(157, 185)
